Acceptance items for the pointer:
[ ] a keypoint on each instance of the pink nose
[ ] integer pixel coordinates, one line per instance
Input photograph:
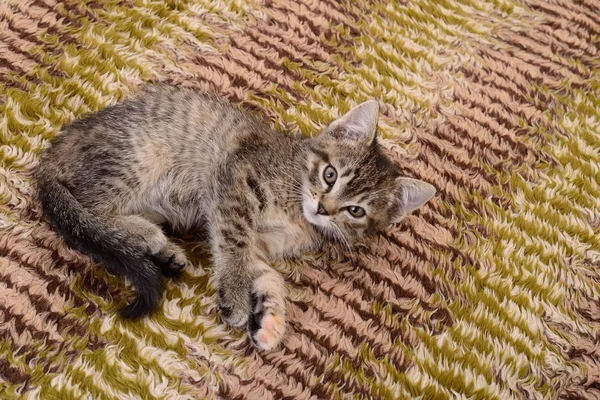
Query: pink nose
(321, 210)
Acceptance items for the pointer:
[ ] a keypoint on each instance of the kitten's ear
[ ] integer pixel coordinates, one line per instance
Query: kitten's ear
(410, 194)
(359, 124)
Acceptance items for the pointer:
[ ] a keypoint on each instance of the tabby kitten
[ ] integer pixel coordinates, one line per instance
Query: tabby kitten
(193, 161)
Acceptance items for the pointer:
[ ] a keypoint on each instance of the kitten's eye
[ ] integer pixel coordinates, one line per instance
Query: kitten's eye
(330, 175)
(356, 211)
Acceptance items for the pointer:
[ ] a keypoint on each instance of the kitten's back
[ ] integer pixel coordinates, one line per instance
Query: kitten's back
(131, 145)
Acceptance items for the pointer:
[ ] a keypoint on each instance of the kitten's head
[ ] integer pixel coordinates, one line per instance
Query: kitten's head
(351, 188)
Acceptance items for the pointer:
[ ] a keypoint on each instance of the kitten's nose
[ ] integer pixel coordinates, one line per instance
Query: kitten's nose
(321, 210)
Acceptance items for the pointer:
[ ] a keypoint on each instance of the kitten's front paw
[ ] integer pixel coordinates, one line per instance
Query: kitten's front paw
(234, 306)
(267, 322)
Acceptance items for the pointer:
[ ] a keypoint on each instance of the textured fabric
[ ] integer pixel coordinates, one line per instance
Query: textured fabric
(491, 291)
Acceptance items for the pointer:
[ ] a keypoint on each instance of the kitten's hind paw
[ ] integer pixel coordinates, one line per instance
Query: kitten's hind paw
(171, 260)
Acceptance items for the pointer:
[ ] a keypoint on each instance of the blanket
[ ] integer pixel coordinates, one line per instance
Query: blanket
(490, 291)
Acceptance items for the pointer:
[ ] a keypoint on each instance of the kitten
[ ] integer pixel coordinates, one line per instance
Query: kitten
(193, 161)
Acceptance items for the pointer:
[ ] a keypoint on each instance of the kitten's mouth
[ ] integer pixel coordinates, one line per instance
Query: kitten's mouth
(310, 211)
(324, 225)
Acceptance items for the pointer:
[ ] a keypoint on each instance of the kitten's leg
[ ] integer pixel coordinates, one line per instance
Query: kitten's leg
(250, 292)
(167, 255)
(234, 289)
(254, 295)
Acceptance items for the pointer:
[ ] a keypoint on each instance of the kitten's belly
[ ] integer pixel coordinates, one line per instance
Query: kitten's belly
(284, 240)
(164, 204)
(154, 217)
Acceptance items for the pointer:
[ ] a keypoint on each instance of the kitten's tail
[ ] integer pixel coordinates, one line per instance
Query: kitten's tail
(104, 242)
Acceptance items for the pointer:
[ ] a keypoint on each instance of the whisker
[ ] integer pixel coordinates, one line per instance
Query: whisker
(292, 189)
(340, 236)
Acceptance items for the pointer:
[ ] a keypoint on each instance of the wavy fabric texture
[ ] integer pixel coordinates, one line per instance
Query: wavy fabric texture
(491, 291)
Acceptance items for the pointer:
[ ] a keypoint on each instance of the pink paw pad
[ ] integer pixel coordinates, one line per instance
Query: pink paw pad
(270, 333)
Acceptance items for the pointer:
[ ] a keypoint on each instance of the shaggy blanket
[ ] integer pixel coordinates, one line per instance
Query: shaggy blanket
(491, 291)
